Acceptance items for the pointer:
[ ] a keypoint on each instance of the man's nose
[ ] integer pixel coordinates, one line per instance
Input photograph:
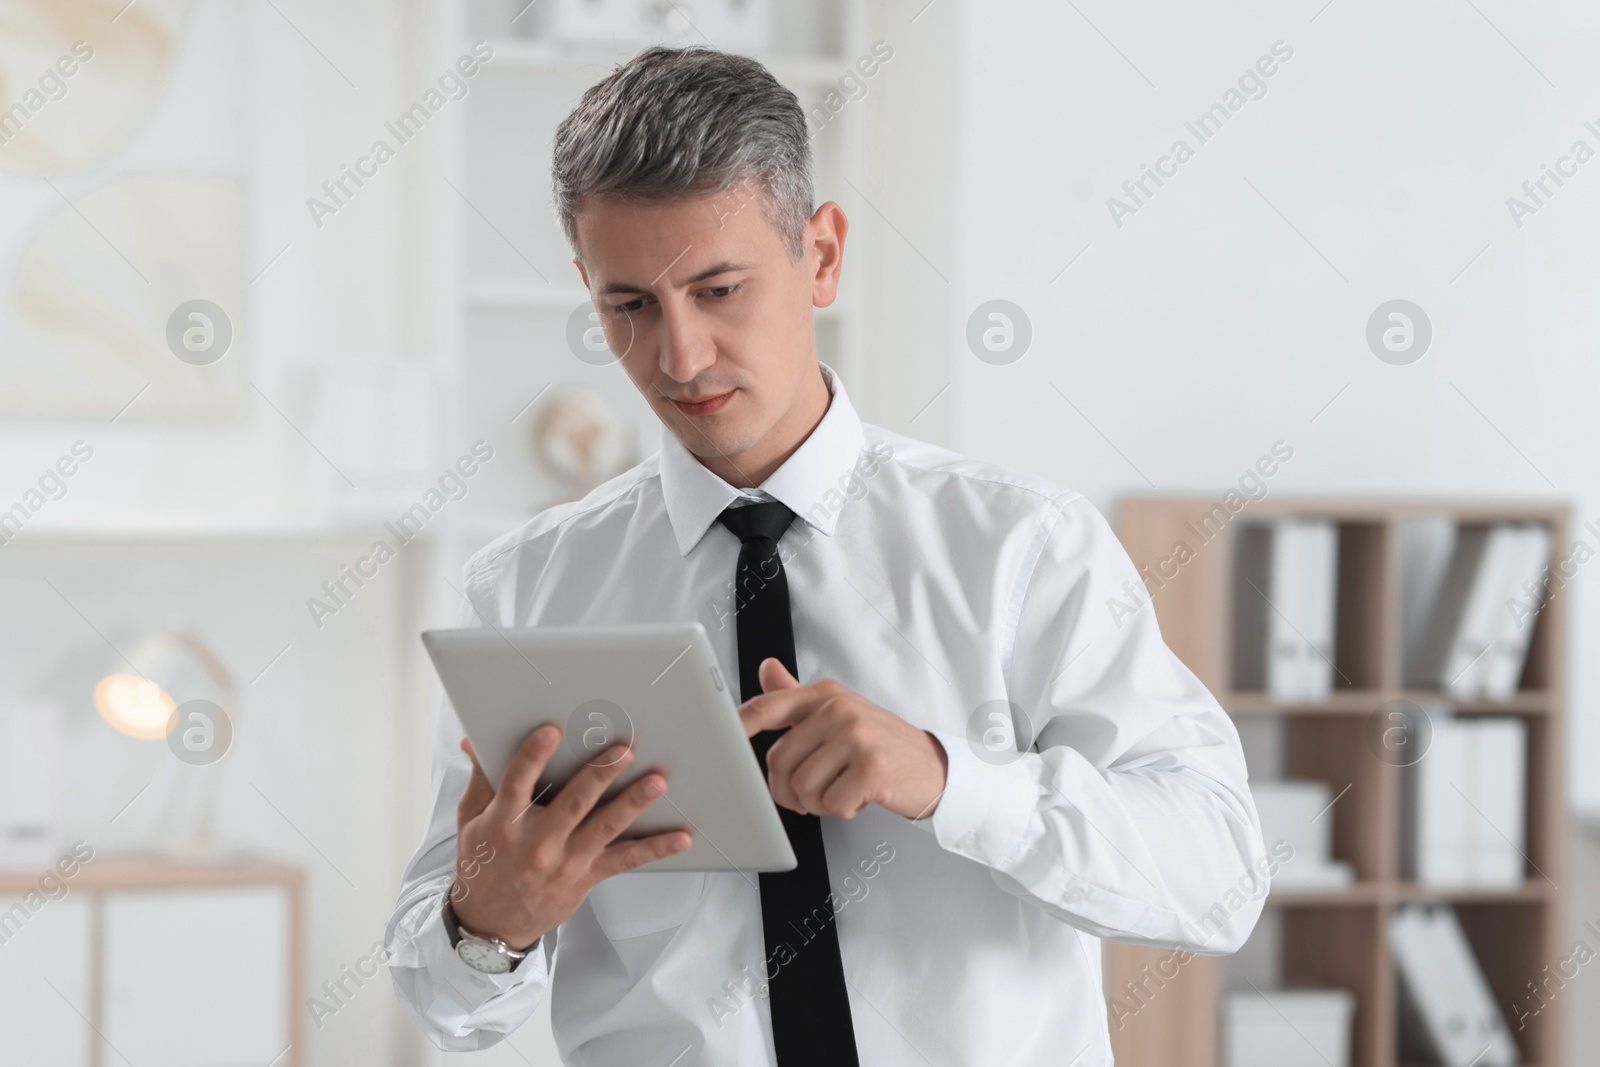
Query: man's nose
(686, 344)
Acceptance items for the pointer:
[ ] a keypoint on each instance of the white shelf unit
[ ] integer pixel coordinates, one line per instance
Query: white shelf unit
(502, 273)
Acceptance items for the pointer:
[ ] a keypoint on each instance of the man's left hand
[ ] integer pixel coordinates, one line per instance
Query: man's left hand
(841, 751)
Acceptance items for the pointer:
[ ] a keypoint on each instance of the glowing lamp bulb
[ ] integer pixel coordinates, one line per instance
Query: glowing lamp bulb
(135, 706)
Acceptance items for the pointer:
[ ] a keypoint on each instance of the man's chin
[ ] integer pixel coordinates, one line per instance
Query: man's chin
(710, 444)
(709, 441)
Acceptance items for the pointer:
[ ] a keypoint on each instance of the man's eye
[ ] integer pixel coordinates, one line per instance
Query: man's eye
(629, 307)
(723, 291)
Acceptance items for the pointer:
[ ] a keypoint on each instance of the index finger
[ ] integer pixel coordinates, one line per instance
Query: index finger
(781, 707)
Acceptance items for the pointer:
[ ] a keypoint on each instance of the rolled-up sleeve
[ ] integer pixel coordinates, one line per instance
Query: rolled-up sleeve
(1129, 816)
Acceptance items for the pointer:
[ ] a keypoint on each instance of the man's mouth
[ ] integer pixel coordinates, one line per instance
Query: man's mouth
(704, 406)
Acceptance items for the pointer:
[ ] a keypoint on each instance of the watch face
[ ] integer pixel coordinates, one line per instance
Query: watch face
(482, 956)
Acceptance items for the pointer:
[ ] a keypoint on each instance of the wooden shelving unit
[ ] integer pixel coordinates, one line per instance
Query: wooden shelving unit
(1335, 938)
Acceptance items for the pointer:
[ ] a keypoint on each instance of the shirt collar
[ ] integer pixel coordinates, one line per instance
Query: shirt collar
(695, 496)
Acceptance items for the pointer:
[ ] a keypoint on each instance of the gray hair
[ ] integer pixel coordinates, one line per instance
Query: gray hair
(677, 123)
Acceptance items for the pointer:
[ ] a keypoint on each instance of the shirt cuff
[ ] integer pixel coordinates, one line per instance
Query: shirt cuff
(986, 807)
(464, 987)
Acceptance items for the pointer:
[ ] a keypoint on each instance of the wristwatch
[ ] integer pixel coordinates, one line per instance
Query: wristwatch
(489, 955)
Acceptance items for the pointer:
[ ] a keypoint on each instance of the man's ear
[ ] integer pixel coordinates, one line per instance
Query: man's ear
(576, 262)
(826, 232)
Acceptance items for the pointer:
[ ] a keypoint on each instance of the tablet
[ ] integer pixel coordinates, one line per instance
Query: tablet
(656, 686)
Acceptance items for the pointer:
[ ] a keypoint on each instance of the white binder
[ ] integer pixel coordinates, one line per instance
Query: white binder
(1299, 613)
(1464, 804)
(1447, 1011)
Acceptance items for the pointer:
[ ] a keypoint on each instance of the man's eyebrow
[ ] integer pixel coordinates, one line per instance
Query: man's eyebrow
(710, 272)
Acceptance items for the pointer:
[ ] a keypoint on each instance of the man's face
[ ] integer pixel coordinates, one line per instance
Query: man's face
(701, 303)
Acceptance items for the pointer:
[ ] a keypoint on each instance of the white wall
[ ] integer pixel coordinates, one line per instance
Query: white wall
(1205, 328)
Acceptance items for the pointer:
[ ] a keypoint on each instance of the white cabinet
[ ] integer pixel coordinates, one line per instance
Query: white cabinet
(196, 978)
(178, 965)
(44, 980)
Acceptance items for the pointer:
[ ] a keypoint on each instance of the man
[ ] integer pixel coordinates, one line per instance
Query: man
(982, 771)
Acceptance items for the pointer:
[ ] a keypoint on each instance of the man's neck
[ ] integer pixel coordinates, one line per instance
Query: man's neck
(755, 465)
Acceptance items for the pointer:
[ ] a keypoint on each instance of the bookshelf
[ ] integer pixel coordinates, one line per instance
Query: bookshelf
(1335, 938)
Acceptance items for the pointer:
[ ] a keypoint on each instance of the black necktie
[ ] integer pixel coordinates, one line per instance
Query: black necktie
(810, 1005)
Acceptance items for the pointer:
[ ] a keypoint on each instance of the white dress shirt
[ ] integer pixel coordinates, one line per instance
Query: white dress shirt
(940, 588)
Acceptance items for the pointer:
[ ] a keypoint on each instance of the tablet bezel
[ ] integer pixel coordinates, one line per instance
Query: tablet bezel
(665, 680)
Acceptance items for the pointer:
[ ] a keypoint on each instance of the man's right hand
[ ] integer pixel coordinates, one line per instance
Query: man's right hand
(523, 867)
